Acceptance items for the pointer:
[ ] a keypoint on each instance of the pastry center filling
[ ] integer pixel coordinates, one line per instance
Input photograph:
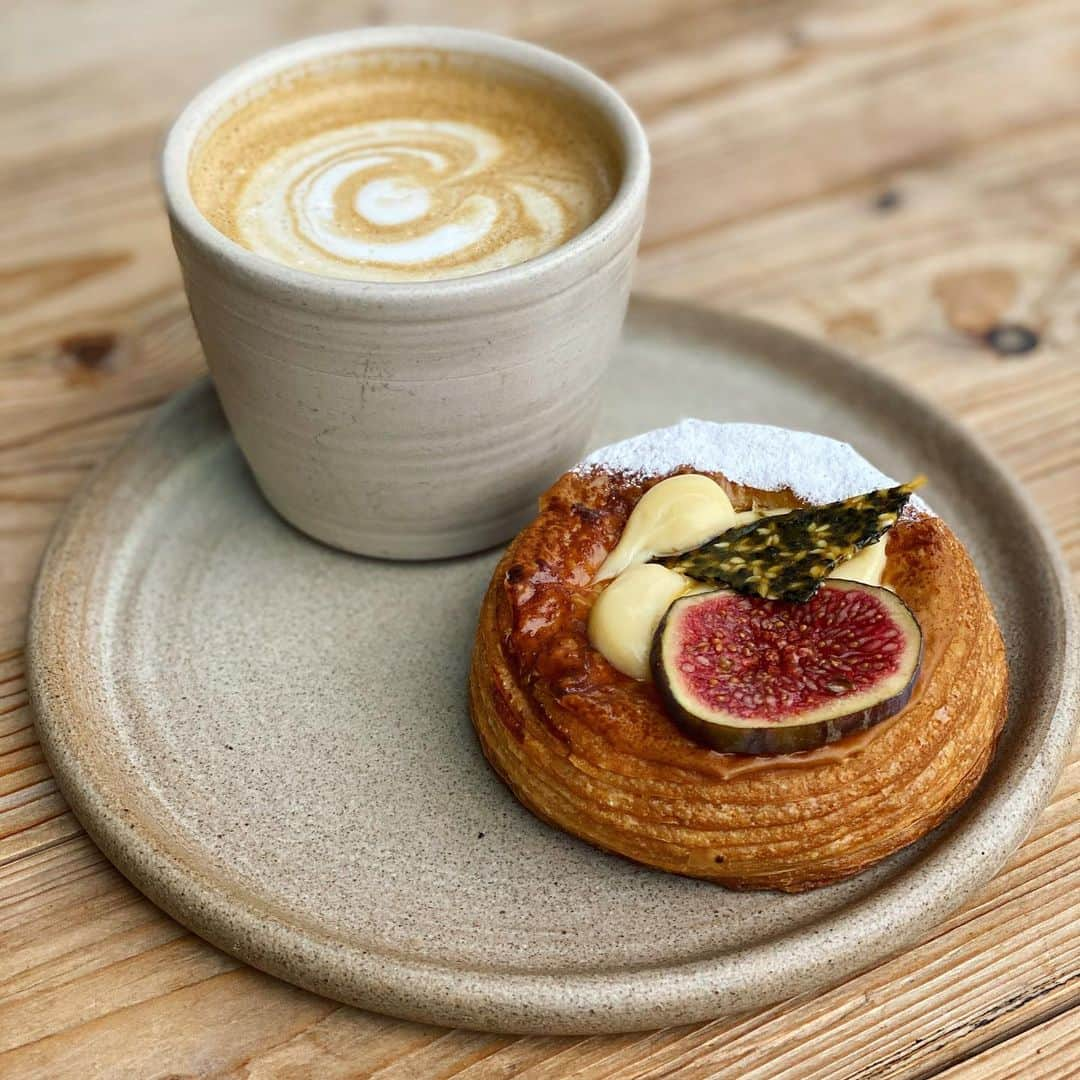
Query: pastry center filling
(673, 517)
(765, 632)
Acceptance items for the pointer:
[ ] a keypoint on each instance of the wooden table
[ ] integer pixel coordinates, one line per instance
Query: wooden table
(900, 178)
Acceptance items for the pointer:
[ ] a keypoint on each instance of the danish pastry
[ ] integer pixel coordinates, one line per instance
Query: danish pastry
(738, 653)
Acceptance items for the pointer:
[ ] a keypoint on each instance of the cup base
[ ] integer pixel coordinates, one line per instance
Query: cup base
(409, 547)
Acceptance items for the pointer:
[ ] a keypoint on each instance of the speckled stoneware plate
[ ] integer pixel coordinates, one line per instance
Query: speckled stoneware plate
(270, 738)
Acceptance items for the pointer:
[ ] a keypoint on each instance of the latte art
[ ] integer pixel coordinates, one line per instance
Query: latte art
(398, 195)
(411, 171)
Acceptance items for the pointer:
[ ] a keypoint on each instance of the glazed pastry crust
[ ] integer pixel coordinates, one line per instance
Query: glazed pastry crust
(592, 751)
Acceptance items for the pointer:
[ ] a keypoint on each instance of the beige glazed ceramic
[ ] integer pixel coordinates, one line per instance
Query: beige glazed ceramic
(271, 739)
(419, 419)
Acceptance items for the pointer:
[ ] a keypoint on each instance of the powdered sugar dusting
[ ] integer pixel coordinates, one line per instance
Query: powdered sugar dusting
(814, 467)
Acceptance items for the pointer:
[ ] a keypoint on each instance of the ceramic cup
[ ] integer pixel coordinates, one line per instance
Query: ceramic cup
(421, 419)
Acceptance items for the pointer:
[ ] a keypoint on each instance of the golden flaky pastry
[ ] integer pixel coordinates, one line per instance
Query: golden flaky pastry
(593, 751)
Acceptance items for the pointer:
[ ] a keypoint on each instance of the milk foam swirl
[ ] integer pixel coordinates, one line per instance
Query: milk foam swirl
(409, 198)
(404, 165)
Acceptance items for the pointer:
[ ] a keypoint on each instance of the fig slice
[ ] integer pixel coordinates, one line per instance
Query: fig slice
(746, 675)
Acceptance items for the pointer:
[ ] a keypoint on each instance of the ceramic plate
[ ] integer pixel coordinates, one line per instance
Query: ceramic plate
(270, 738)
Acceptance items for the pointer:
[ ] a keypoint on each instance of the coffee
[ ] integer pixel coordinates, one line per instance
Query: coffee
(404, 165)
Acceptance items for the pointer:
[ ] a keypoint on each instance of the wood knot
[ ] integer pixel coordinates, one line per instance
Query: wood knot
(90, 356)
(89, 350)
(1012, 339)
(887, 200)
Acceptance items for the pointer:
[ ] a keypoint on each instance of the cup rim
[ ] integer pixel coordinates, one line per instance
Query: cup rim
(580, 255)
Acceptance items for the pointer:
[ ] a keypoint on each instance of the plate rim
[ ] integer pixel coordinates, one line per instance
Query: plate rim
(826, 950)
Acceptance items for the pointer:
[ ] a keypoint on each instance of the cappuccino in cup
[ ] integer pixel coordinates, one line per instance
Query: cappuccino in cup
(407, 252)
(405, 165)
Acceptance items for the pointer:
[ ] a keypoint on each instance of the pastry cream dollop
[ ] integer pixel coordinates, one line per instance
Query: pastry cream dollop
(676, 515)
(624, 618)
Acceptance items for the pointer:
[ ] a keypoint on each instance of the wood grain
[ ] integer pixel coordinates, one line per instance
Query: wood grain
(1049, 1052)
(901, 179)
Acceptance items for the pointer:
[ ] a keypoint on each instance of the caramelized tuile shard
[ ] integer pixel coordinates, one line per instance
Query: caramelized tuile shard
(789, 556)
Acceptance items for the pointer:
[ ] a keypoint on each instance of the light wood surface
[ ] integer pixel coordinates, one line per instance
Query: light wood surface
(900, 178)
